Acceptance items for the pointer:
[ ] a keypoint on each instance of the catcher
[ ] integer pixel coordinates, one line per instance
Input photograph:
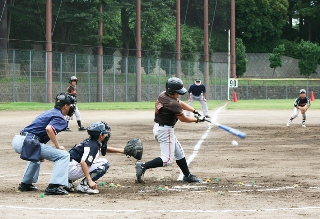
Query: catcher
(85, 161)
(302, 104)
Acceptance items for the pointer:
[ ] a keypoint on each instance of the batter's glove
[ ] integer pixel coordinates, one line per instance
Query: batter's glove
(134, 148)
(196, 113)
(200, 119)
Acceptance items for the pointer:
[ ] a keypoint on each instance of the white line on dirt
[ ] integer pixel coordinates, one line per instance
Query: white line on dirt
(163, 211)
(204, 136)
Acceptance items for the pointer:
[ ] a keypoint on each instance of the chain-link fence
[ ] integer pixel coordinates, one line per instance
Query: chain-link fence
(23, 77)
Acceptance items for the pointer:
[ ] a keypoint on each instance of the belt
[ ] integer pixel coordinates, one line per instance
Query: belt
(30, 134)
(171, 126)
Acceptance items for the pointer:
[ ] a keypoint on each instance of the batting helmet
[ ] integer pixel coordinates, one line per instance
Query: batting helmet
(62, 99)
(73, 78)
(175, 85)
(99, 128)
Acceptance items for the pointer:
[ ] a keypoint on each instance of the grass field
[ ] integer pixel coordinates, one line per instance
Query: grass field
(240, 105)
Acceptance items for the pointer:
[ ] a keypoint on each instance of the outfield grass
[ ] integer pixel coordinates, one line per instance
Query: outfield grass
(240, 105)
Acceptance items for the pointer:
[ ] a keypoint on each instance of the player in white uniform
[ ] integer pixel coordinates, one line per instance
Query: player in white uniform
(302, 103)
(168, 109)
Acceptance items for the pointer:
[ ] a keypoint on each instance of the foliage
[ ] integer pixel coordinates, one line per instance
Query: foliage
(260, 22)
(309, 57)
(241, 58)
(275, 57)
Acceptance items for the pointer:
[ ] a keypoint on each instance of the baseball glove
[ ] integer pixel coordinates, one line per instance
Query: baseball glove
(303, 110)
(134, 148)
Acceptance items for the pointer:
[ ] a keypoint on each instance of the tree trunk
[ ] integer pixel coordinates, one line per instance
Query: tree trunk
(3, 32)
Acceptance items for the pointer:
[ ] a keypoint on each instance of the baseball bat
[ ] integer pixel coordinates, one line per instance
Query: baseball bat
(233, 131)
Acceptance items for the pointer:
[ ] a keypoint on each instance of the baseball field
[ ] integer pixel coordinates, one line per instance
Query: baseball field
(272, 173)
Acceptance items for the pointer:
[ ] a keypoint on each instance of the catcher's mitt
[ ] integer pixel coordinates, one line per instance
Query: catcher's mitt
(134, 148)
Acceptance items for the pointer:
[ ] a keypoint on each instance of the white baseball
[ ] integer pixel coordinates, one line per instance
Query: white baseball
(234, 143)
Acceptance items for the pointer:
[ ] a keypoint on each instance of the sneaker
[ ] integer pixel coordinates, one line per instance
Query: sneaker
(55, 191)
(23, 187)
(86, 189)
(191, 178)
(288, 123)
(303, 124)
(70, 187)
(82, 128)
(68, 129)
(139, 171)
(207, 116)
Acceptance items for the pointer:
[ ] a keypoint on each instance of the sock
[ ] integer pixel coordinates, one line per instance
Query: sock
(79, 123)
(291, 119)
(156, 162)
(67, 123)
(182, 163)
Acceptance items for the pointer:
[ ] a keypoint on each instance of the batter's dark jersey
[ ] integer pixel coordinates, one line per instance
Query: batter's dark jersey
(87, 151)
(53, 117)
(197, 90)
(167, 109)
(302, 102)
(72, 91)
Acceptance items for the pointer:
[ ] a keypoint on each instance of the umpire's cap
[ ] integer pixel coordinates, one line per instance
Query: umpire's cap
(302, 91)
(175, 85)
(62, 99)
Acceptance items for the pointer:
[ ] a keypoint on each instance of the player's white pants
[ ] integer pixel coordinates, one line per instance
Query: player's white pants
(203, 104)
(296, 112)
(75, 170)
(169, 144)
(77, 113)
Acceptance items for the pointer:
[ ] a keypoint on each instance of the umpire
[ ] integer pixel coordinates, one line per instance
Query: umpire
(197, 91)
(42, 129)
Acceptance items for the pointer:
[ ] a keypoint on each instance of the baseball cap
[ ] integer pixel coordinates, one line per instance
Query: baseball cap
(197, 79)
(303, 91)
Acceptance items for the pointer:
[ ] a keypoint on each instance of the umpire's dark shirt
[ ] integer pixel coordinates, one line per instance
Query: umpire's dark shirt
(197, 90)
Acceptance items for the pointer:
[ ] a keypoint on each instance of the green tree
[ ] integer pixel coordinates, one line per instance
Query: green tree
(259, 23)
(309, 57)
(275, 57)
(241, 58)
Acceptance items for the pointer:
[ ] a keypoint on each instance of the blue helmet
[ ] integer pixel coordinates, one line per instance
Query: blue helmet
(98, 128)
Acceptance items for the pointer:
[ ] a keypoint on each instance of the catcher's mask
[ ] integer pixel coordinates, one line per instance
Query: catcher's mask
(63, 99)
(99, 128)
(73, 78)
(175, 85)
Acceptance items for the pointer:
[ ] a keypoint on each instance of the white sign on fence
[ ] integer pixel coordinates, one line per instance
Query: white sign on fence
(233, 82)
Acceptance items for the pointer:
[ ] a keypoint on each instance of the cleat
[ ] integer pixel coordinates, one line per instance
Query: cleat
(207, 116)
(86, 189)
(55, 191)
(139, 171)
(288, 123)
(23, 187)
(68, 129)
(70, 187)
(82, 128)
(191, 178)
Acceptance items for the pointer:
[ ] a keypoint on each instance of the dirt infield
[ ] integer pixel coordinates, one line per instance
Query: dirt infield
(273, 173)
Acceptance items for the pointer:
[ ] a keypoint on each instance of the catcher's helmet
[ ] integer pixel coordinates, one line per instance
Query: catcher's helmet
(73, 78)
(175, 85)
(62, 99)
(98, 128)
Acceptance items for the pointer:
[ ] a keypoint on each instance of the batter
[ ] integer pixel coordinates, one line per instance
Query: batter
(168, 110)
